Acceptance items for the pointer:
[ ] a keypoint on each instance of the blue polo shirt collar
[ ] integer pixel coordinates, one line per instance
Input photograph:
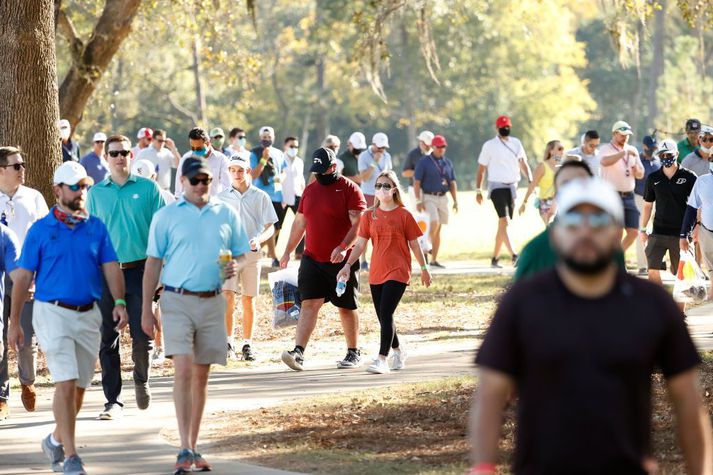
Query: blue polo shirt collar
(182, 201)
(108, 181)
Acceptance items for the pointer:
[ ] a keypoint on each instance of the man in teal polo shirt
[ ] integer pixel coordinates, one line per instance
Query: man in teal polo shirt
(188, 237)
(689, 144)
(126, 204)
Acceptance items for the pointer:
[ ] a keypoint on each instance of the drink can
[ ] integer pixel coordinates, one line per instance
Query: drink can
(224, 257)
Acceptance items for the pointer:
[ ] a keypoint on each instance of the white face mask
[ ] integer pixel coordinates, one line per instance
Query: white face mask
(292, 152)
(708, 150)
(64, 133)
(383, 195)
(710, 166)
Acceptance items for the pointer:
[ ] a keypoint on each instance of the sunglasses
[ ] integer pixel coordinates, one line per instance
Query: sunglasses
(294, 146)
(17, 166)
(623, 129)
(204, 181)
(560, 149)
(116, 153)
(574, 219)
(442, 146)
(380, 149)
(160, 140)
(707, 139)
(386, 186)
(241, 137)
(77, 187)
(667, 156)
(99, 141)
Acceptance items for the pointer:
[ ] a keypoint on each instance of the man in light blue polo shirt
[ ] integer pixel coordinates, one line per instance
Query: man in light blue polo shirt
(372, 161)
(188, 237)
(126, 203)
(66, 253)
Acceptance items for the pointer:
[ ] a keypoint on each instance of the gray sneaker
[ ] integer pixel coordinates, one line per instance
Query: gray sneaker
(53, 452)
(143, 395)
(293, 359)
(111, 411)
(351, 361)
(74, 466)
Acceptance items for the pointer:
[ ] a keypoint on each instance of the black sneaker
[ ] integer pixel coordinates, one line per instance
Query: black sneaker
(515, 257)
(248, 353)
(437, 265)
(494, 263)
(293, 359)
(351, 361)
(275, 263)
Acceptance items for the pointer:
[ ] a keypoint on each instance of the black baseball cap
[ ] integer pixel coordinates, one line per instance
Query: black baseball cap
(322, 159)
(693, 125)
(194, 166)
(650, 141)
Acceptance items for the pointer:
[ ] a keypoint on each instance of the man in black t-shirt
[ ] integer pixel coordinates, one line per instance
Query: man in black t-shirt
(669, 188)
(578, 344)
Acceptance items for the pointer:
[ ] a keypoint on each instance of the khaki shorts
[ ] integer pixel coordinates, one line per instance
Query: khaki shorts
(436, 207)
(705, 240)
(248, 277)
(70, 341)
(194, 326)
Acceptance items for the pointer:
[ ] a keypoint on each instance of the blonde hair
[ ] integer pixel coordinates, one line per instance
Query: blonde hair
(549, 148)
(391, 175)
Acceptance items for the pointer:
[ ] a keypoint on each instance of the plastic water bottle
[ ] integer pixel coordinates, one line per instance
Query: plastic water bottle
(341, 287)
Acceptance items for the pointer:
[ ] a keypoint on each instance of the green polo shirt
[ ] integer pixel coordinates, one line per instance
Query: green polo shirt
(351, 167)
(538, 255)
(684, 149)
(127, 212)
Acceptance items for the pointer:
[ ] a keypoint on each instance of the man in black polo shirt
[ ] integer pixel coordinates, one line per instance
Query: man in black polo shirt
(579, 344)
(669, 188)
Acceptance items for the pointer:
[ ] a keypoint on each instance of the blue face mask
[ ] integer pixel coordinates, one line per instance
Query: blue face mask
(668, 162)
(242, 142)
(201, 152)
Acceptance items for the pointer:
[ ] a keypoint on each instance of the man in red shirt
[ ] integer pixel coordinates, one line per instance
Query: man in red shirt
(329, 213)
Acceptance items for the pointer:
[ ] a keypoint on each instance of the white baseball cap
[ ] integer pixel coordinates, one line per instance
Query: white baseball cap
(621, 127)
(64, 124)
(380, 140)
(426, 136)
(667, 146)
(358, 140)
(266, 129)
(71, 173)
(99, 137)
(705, 130)
(593, 191)
(144, 133)
(143, 168)
(238, 161)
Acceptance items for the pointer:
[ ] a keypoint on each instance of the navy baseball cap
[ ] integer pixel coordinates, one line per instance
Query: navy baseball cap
(322, 159)
(193, 166)
(650, 141)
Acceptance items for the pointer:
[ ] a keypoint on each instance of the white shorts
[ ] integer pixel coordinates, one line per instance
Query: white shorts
(248, 277)
(70, 341)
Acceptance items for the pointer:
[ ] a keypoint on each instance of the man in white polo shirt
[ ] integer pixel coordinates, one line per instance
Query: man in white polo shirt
(504, 159)
(621, 166)
(164, 156)
(258, 216)
(144, 137)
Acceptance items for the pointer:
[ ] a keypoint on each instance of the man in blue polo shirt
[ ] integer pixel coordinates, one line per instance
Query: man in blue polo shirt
(188, 237)
(66, 253)
(126, 203)
(10, 248)
(433, 179)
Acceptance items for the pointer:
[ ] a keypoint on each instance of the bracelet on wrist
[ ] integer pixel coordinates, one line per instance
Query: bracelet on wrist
(424, 267)
(642, 230)
(478, 192)
(263, 162)
(118, 302)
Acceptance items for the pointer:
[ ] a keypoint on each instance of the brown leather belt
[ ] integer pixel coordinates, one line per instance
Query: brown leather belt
(76, 308)
(440, 193)
(131, 265)
(203, 295)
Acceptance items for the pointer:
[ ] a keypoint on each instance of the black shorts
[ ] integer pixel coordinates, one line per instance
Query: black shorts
(656, 248)
(502, 200)
(318, 280)
(280, 212)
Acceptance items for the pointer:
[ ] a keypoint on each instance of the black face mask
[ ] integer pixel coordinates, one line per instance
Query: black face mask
(326, 179)
(589, 268)
(504, 131)
(266, 143)
(357, 151)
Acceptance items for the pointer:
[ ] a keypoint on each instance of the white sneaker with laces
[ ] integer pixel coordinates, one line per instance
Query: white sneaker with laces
(397, 360)
(158, 356)
(379, 366)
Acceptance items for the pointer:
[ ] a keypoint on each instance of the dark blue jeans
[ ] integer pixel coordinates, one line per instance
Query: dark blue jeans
(141, 345)
(27, 357)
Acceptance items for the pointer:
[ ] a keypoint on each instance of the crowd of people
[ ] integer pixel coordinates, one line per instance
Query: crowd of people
(164, 242)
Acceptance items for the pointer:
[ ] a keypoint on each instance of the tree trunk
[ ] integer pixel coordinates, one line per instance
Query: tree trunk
(200, 95)
(657, 62)
(90, 61)
(28, 97)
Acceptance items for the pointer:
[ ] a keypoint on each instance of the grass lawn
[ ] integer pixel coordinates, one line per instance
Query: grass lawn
(405, 429)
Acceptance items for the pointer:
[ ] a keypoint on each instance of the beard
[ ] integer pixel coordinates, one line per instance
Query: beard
(589, 268)
(77, 204)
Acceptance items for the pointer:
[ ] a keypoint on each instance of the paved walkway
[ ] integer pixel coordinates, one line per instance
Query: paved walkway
(132, 445)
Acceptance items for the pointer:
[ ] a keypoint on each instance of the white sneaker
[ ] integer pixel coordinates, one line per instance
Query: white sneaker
(397, 360)
(379, 366)
(158, 356)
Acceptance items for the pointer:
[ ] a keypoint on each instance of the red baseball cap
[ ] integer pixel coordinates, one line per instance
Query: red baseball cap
(439, 141)
(503, 121)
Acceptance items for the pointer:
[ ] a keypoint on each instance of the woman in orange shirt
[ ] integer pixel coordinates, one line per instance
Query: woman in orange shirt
(392, 230)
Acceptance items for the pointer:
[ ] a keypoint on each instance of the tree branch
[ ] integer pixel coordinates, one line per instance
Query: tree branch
(67, 29)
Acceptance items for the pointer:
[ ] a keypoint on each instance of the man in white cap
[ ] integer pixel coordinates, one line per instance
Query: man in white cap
(146, 169)
(698, 161)
(267, 164)
(70, 148)
(372, 161)
(258, 216)
(144, 137)
(217, 140)
(164, 155)
(597, 365)
(350, 157)
(67, 254)
(95, 161)
(423, 148)
(621, 166)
